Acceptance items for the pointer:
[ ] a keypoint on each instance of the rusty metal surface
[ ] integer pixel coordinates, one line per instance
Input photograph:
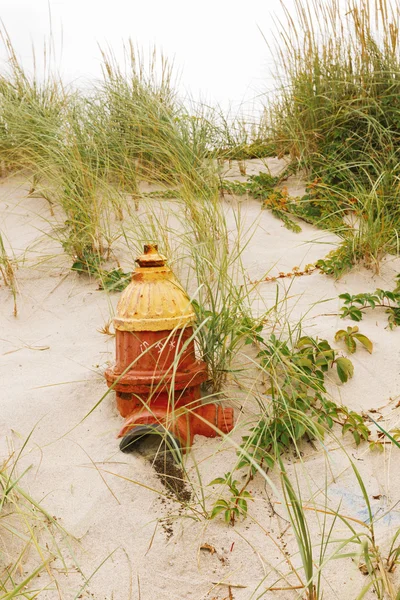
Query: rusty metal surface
(155, 360)
(208, 420)
(154, 300)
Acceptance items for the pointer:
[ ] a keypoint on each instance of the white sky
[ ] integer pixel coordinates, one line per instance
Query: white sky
(216, 44)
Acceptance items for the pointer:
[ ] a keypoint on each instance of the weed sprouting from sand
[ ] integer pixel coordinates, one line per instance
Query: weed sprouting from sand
(351, 336)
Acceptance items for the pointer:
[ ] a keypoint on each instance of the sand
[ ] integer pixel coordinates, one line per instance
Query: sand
(129, 535)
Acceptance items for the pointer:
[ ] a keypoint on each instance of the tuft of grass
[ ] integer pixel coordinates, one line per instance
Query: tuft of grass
(28, 537)
(32, 112)
(7, 270)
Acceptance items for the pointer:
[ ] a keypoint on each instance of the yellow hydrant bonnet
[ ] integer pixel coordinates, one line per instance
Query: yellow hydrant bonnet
(154, 300)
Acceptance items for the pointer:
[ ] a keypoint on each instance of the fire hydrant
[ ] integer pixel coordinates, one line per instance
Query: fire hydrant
(157, 376)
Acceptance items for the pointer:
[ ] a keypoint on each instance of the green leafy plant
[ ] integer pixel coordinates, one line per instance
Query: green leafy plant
(263, 187)
(337, 262)
(259, 186)
(279, 204)
(298, 405)
(321, 206)
(309, 358)
(88, 263)
(297, 377)
(376, 446)
(114, 280)
(236, 505)
(356, 305)
(351, 336)
(393, 435)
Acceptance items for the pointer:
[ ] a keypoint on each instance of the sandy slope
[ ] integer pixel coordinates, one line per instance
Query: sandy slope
(51, 361)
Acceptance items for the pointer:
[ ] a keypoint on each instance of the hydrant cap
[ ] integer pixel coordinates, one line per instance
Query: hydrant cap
(151, 257)
(154, 300)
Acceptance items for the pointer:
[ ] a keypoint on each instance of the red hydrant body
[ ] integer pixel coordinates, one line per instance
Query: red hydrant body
(157, 376)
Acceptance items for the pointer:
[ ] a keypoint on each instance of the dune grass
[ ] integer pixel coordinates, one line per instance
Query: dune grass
(31, 114)
(337, 113)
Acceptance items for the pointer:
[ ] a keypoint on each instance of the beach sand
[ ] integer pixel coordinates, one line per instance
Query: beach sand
(130, 537)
